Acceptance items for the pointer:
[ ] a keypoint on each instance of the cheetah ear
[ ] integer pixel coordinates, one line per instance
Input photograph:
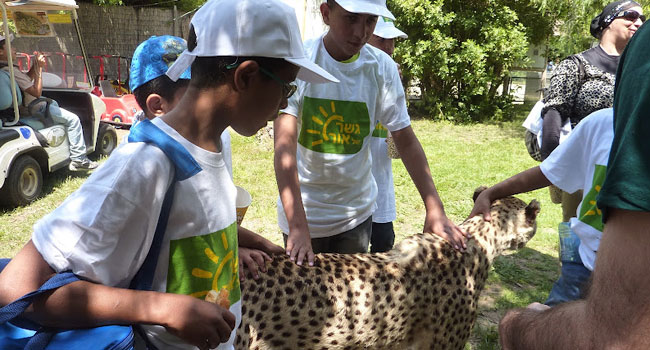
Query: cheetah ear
(478, 191)
(531, 211)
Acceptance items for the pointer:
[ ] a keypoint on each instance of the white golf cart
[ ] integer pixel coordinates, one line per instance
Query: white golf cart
(34, 145)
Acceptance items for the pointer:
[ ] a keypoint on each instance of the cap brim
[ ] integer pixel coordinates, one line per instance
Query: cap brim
(390, 33)
(311, 72)
(364, 7)
(180, 67)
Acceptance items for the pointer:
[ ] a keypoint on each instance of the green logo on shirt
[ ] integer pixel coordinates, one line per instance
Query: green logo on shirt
(589, 212)
(380, 131)
(202, 263)
(330, 126)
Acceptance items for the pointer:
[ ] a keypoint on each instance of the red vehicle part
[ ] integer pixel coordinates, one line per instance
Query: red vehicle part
(24, 61)
(120, 110)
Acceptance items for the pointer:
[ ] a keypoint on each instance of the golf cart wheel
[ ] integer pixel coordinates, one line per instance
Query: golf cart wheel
(117, 118)
(106, 140)
(24, 183)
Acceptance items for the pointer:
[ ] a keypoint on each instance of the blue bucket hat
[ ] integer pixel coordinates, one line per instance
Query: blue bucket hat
(153, 57)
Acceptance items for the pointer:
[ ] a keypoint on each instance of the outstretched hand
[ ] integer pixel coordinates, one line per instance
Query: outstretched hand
(482, 206)
(299, 248)
(446, 229)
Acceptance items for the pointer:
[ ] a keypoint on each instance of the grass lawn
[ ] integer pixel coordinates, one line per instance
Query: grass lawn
(461, 158)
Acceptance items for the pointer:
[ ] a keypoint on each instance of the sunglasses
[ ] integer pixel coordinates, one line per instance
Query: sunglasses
(288, 89)
(631, 16)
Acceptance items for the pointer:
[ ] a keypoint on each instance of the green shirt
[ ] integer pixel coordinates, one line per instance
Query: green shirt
(627, 183)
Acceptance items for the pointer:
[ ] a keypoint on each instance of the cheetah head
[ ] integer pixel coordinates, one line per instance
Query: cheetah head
(513, 223)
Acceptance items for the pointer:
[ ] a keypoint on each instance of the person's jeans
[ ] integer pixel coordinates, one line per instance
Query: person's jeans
(382, 237)
(352, 241)
(73, 129)
(573, 282)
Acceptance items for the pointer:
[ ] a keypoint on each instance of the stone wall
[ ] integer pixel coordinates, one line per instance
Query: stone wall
(117, 30)
(107, 30)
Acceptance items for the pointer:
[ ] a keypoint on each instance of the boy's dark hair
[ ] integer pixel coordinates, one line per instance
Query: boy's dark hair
(210, 71)
(162, 86)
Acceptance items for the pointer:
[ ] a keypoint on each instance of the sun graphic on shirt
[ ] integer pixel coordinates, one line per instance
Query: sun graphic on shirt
(221, 264)
(327, 119)
(333, 126)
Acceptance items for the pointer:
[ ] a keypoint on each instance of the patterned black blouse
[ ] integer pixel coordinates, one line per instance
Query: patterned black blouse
(576, 101)
(573, 95)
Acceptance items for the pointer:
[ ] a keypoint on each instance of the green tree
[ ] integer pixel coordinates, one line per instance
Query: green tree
(183, 5)
(459, 53)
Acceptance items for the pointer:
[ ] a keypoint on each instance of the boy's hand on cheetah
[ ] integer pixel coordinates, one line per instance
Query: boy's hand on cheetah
(482, 206)
(446, 229)
(299, 248)
(253, 260)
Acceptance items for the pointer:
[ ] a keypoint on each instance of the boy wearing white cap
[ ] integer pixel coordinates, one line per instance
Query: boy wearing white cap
(244, 54)
(383, 235)
(157, 94)
(322, 155)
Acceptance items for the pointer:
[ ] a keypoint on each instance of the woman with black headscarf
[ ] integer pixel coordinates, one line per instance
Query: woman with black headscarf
(581, 84)
(577, 91)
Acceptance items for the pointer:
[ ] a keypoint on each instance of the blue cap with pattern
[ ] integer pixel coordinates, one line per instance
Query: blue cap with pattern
(153, 57)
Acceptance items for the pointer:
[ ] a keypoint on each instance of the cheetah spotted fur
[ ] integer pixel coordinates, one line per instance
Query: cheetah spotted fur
(422, 294)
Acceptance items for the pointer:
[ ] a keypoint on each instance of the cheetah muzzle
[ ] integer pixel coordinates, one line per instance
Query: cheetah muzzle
(423, 294)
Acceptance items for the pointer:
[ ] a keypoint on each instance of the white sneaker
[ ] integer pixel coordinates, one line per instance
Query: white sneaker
(82, 165)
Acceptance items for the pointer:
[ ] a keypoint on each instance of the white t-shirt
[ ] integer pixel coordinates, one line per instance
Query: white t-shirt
(103, 231)
(335, 122)
(382, 170)
(580, 163)
(226, 150)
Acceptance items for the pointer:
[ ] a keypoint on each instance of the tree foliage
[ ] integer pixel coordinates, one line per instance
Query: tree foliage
(460, 52)
(182, 5)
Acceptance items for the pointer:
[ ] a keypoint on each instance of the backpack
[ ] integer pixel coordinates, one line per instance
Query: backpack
(534, 121)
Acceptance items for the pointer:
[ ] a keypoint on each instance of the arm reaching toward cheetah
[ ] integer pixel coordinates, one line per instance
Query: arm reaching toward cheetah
(416, 164)
(286, 140)
(525, 181)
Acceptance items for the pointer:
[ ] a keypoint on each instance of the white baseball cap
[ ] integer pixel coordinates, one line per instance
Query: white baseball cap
(11, 37)
(386, 29)
(261, 28)
(372, 7)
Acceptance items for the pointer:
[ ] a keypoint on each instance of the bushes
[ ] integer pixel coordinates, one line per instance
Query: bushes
(460, 52)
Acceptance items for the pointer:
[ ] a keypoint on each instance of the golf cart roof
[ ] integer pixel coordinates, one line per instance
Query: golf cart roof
(41, 5)
(18, 6)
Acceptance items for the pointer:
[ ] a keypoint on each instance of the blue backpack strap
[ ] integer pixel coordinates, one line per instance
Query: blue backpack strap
(144, 277)
(17, 307)
(185, 165)
(14, 309)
